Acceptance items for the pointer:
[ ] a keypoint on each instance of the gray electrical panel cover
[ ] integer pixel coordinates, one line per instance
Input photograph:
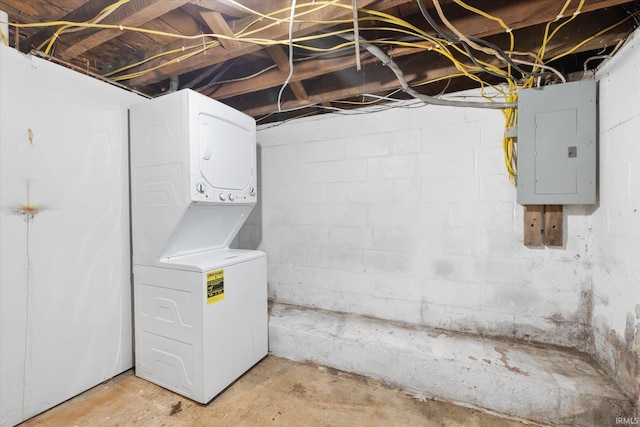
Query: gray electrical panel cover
(557, 144)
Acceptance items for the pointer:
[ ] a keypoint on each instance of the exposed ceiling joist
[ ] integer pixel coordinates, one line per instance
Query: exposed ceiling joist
(199, 44)
(132, 14)
(264, 29)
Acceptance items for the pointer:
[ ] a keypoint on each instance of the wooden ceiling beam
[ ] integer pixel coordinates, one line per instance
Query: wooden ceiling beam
(524, 13)
(475, 25)
(441, 67)
(314, 68)
(282, 61)
(230, 9)
(516, 15)
(84, 13)
(302, 71)
(221, 6)
(217, 24)
(133, 14)
(218, 54)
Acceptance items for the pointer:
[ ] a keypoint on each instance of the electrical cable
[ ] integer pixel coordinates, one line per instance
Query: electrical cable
(70, 28)
(493, 49)
(387, 61)
(588, 39)
(220, 74)
(286, 82)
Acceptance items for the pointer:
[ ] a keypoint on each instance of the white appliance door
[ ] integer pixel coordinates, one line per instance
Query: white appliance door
(226, 153)
(204, 228)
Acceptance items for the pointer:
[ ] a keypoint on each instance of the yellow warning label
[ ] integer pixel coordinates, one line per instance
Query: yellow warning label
(215, 286)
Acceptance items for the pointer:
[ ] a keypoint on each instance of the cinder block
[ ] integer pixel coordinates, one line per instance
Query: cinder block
(491, 215)
(387, 261)
(406, 190)
(292, 192)
(492, 132)
(438, 136)
(306, 214)
(390, 214)
(434, 214)
(350, 237)
(391, 167)
(323, 151)
(312, 173)
(490, 161)
(281, 164)
(370, 191)
(346, 170)
(435, 267)
(497, 188)
(352, 214)
(405, 141)
(365, 146)
(395, 237)
(458, 163)
(451, 189)
(330, 193)
(343, 258)
(298, 131)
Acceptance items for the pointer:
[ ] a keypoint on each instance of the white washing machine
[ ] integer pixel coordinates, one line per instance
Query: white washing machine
(200, 308)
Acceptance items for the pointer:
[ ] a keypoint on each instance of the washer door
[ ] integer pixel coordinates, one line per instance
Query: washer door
(226, 153)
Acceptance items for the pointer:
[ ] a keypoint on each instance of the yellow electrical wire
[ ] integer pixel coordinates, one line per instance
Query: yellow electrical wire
(598, 34)
(383, 22)
(103, 14)
(204, 46)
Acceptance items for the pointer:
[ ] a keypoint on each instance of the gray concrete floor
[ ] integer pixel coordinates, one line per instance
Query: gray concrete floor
(276, 392)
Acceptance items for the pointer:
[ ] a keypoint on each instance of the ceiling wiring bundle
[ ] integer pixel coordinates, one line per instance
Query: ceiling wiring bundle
(372, 32)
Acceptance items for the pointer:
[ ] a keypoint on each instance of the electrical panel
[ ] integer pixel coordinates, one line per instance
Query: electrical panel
(557, 150)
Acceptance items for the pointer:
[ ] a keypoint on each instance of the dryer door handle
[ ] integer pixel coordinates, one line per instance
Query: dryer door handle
(205, 147)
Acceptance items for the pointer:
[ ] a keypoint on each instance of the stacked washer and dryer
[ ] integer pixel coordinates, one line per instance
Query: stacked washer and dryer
(200, 308)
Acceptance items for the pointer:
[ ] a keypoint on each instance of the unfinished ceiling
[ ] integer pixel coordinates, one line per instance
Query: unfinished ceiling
(239, 52)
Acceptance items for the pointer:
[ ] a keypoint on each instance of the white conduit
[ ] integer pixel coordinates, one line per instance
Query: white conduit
(386, 60)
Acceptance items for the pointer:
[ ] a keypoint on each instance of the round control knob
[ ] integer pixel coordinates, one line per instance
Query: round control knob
(252, 191)
(200, 188)
(222, 197)
(231, 197)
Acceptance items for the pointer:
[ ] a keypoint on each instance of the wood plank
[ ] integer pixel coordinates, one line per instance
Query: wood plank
(303, 71)
(513, 15)
(180, 21)
(553, 225)
(282, 61)
(533, 225)
(84, 13)
(134, 13)
(230, 9)
(217, 24)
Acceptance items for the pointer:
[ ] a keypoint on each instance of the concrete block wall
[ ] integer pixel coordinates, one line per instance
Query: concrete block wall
(615, 240)
(407, 215)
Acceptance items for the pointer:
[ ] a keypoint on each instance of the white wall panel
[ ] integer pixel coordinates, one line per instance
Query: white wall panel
(65, 297)
(615, 240)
